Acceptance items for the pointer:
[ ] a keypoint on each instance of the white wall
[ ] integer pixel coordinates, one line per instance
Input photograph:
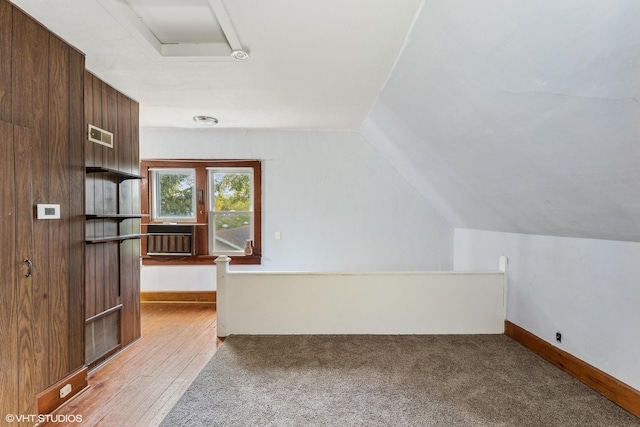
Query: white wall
(360, 303)
(587, 289)
(338, 204)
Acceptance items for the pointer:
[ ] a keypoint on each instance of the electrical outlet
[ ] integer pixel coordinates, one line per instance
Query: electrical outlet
(558, 337)
(64, 391)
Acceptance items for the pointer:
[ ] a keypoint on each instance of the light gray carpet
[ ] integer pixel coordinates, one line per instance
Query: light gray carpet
(478, 380)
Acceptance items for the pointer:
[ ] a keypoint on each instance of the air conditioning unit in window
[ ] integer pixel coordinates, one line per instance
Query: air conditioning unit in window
(170, 240)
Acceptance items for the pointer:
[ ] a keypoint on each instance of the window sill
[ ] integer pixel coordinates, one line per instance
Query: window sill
(198, 260)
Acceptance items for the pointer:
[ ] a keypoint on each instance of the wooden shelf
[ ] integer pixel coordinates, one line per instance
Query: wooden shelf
(117, 217)
(119, 175)
(120, 238)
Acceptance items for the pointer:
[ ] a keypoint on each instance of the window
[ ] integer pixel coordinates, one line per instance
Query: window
(221, 199)
(174, 195)
(231, 210)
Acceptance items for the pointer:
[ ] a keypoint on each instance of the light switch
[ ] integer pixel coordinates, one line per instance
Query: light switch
(278, 235)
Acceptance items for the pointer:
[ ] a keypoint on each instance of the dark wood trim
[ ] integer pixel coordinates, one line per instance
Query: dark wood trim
(611, 388)
(195, 163)
(178, 296)
(49, 400)
(198, 260)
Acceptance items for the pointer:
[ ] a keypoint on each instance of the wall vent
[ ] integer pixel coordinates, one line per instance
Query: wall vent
(100, 136)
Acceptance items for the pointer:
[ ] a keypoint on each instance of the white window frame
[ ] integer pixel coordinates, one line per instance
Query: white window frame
(155, 195)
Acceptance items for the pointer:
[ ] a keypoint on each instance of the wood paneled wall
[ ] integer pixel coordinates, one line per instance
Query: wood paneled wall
(6, 30)
(113, 268)
(129, 161)
(41, 82)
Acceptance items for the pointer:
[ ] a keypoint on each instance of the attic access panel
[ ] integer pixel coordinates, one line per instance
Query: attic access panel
(178, 29)
(187, 21)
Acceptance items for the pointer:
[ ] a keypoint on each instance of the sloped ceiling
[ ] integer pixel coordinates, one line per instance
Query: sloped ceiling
(520, 116)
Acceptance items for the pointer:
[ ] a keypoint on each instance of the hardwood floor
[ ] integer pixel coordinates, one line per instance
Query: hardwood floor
(140, 385)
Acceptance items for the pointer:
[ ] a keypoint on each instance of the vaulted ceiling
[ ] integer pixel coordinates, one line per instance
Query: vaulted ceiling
(520, 116)
(508, 116)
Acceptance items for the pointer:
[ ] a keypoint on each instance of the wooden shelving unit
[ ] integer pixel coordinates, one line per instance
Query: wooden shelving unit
(112, 223)
(118, 177)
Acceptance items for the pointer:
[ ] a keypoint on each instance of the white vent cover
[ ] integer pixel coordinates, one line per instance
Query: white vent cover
(100, 136)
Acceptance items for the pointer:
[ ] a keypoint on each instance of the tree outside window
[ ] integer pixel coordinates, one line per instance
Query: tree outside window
(175, 194)
(231, 210)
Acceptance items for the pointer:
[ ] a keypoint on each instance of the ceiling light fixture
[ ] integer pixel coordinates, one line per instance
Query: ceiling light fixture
(205, 120)
(240, 55)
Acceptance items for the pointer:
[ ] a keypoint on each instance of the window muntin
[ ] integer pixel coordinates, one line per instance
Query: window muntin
(174, 194)
(231, 210)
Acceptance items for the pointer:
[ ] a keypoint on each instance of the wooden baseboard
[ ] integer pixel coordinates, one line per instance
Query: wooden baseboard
(49, 400)
(613, 389)
(179, 296)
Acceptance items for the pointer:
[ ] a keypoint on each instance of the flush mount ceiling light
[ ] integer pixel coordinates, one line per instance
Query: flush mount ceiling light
(205, 120)
(240, 55)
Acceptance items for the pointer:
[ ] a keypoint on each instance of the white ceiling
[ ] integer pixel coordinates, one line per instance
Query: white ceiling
(314, 64)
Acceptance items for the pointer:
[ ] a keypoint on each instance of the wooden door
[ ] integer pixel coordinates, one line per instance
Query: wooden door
(18, 267)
